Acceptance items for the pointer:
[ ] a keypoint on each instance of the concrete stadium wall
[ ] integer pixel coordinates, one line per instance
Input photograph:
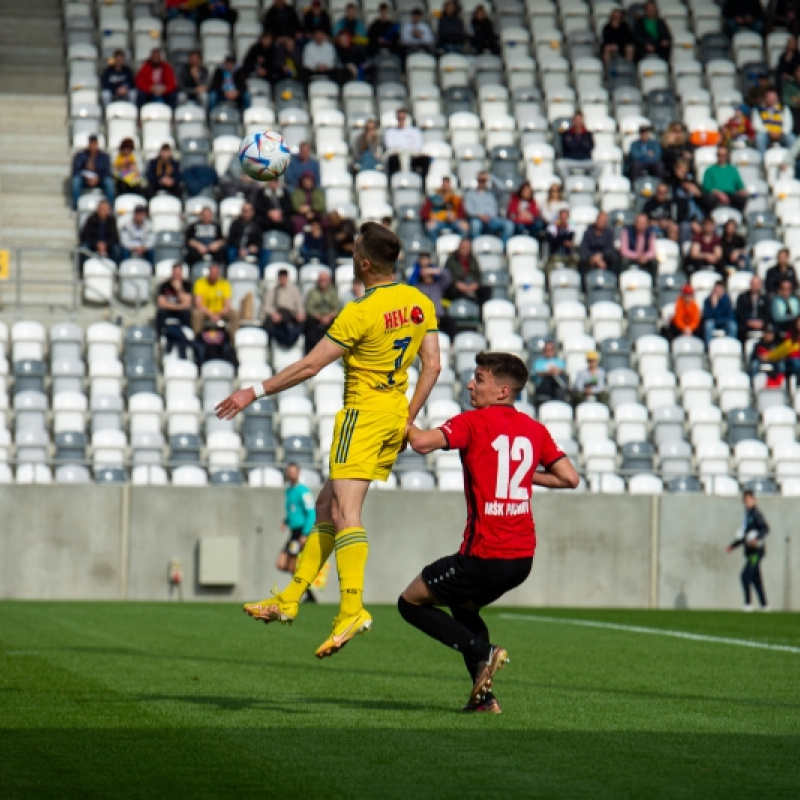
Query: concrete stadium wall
(101, 543)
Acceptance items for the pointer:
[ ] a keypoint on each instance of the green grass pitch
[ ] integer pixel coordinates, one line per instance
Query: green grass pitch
(192, 701)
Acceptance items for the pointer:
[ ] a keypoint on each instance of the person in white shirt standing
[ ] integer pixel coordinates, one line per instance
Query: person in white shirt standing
(405, 140)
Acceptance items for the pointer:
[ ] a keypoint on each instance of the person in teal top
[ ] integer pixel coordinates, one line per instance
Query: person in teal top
(299, 520)
(723, 185)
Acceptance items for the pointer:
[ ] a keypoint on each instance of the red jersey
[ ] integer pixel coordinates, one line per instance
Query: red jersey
(500, 450)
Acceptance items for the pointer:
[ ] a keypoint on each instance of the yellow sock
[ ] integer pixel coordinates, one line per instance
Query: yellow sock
(316, 552)
(351, 559)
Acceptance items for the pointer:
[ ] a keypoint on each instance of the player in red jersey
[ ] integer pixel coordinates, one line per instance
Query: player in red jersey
(501, 451)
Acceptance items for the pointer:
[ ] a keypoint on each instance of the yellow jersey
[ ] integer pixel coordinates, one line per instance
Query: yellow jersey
(381, 334)
(213, 295)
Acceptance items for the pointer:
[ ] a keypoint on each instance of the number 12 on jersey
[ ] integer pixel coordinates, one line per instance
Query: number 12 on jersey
(402, 346)
(520, 450)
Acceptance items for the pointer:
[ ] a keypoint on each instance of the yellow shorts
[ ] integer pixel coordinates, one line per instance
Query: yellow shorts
(365, 444)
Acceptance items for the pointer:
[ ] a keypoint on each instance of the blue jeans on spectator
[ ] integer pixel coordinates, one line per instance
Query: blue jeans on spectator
(710, 325)
(497, 226)
(763, 141)
(534, 229)
(436, 229)
(262, 258)
(79, 182)
(170, 99)
(778, 368)
(214, 98)
(148, 255)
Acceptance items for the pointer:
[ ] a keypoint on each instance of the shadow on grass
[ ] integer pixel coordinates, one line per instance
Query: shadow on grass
(472, 760)
(223, 703)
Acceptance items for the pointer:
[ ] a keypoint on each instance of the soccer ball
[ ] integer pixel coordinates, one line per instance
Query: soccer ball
(264, 156)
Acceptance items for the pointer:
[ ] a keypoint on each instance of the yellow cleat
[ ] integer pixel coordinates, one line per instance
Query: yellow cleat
(272, 609)
(344, 629)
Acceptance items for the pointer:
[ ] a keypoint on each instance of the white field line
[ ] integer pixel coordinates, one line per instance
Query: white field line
(697, 637)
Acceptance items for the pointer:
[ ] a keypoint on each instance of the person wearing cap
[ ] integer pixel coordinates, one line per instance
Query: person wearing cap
(301, 163)
(644, 157)
(590, 383)
(228, 85)
(91, 169)
(686, 316)
(164, 174)
(723, 185)
(773, 123)
(405, 140)
(137, 237)
(308, 201)
(416, 35)
(319, 56)
(118, 82)
(670, 215)
(383, 33)
(718, 314)
(738, 128)
(752, 311)
(316, 18)
(155, 81)
(283, 309)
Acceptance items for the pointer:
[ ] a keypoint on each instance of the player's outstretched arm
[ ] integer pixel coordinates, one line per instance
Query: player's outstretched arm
(424, 442)
(326, 352)
(561, 475)
(429, 374)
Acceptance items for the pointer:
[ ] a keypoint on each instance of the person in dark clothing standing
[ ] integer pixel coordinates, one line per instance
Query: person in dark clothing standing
(752, 534)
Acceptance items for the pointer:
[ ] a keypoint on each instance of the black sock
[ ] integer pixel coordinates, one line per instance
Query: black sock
(444, 629)
(472, 621)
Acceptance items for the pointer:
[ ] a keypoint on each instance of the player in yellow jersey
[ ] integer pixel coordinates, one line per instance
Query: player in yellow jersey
(378, 337)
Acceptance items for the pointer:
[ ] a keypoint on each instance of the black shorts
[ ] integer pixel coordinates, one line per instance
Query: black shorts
(292, 546)
(457, 580)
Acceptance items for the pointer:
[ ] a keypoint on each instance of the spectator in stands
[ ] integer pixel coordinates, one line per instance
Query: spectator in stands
(752, 311)
(384, 32)
(465, 275)
(315, 243)
(637, 245)
(212, 304)
(174, 310)
(273, 207)
(756, 92)
(193, 79)
(319, 56)
(718, 314)
(685, 188)
(664, 214)
(652, 34)
(353, 28)
(524, 212)
(773, 123)
(286, 61)
(316, 18)
(281, 20)
(450, 34)
(127, 170)
(91, 169)
(204, 239)
(405, 140)
(705, 251)
(137, 237)
(743, 15)
(780, 272)
(341, 237)
(155, 81)
(738, 129)
(790, 95)
(300, 164)
(618, 41)
(783, 14)
(577, 145)
(784, 308)
(228, 85)
(787, 353)
(416, 35)
(686, 316)
(369, 146)
(597, 249)
(674, 147)
(259, 58)
(483, 37)
(480, 206)
(734, 249)
(590, 383)
(760, 362)
(723, 185)
(217, 9)
(322, 306)
(283, 306)
(443, 212)
(308, 201)
(118, 82)
(645, 155)
(164, 174)
(99, 233)
(553, 203)
(550, 375)
(245, 238)
(433, 281)
(561, 236)
(352, 58)
(788, 63)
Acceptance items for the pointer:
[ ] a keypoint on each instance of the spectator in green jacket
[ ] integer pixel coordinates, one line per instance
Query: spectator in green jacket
(723, 185)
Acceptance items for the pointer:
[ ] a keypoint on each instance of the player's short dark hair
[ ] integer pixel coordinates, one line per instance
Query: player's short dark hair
(504, 367)
(380, 246)
(748, 493)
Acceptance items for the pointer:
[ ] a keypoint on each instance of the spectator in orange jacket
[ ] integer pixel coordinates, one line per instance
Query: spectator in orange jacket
(442, 211)
(155, 81)
(686, 317)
